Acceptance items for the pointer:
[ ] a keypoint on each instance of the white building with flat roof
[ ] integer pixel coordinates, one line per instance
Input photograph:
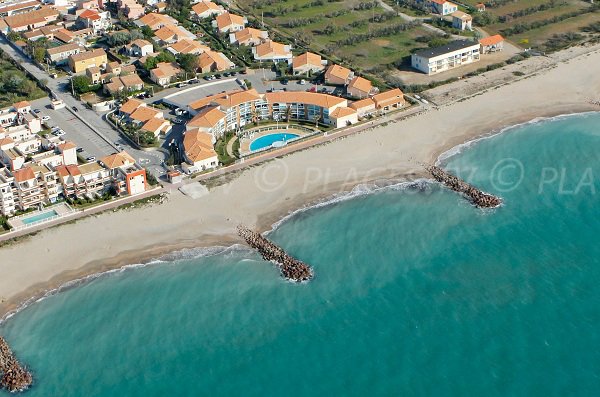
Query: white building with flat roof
(450, 56)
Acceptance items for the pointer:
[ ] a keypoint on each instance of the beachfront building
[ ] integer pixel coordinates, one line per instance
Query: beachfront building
(308, 63)
(198, 150)
(249, 37)
(126, 175)
(491, 44)
(360, 87)
(338, 75)
(389, 100)
(449, 56)
(226, 23)
(80, 62)
(271, 51)
(462, 21)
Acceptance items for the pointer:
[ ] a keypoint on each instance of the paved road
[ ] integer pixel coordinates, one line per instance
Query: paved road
(94, 123)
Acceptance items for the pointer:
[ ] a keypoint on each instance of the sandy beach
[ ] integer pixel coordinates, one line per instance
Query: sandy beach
(261, 195)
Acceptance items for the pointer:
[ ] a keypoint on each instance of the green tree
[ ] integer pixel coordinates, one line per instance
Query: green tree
(189, 62)
(81, 84)
(39, 54)
(147, 32)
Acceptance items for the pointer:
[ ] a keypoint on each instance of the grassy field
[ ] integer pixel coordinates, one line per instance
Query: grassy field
(339, 29)
(15, 86)
(513, 13)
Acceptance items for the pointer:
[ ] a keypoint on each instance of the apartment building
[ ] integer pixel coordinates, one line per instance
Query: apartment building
(60, 55)
(80, 62)
(30, 20)
(450, 56)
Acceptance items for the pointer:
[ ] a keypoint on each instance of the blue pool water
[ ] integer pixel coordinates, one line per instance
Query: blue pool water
(268, 140)
(39, 217)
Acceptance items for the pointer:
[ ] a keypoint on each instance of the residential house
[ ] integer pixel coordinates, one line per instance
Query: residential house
(212, 61)
(441, 7)
(160, 7)
(226, 22)
(272, 51)
(480, 7)
(206, 9)
(10, 9)
(248, 36)
(139, 48)
(171, 34)
(156, 21)
(30, 20)
(187, 46)
(80, 62)
(338, 75)
(60, 55)
(96, 21)
(157, 126)
(129, 83)
(308, 63)
(134, 11)
(449, 56)
(462, 21)
(359, 87)
(165, 73)
(491, 44)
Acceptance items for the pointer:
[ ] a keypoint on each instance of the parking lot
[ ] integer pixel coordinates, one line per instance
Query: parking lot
(262, 80)
(74, 129)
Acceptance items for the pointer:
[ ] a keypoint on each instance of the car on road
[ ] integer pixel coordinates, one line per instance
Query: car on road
(79, 150)
(90, 159)
(36, 111)
(178, 121)
(45, 118)
(75, 109)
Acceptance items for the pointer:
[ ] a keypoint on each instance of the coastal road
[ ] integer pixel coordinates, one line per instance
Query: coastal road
(92, 122)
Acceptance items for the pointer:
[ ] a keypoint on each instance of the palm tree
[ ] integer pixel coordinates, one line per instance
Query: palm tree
(288, 113)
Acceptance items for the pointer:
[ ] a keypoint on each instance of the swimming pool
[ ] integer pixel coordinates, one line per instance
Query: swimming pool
(39, 217)
(275, 140)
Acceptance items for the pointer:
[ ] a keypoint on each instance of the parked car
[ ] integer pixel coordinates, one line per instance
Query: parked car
(45, 118)
(302, 82)
(194, 81)
(79, 150)
(178, 121)
(90, 159)
(324, 90)
(284, 82)
(207, 78)
(36, 111)
(181, 85)
(217, 76)
(55, 128)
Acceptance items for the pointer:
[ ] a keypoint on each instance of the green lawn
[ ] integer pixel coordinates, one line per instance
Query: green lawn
(15, 86)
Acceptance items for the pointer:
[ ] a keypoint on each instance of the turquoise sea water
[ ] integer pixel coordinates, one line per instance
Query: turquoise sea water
(416, 293)
(268, 140)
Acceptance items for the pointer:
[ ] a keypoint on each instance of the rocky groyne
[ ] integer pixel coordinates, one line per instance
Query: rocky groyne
(291, 268)
(479, 198)
(14, 376)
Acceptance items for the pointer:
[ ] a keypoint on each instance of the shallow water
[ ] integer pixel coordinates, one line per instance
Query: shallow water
(416, 293)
